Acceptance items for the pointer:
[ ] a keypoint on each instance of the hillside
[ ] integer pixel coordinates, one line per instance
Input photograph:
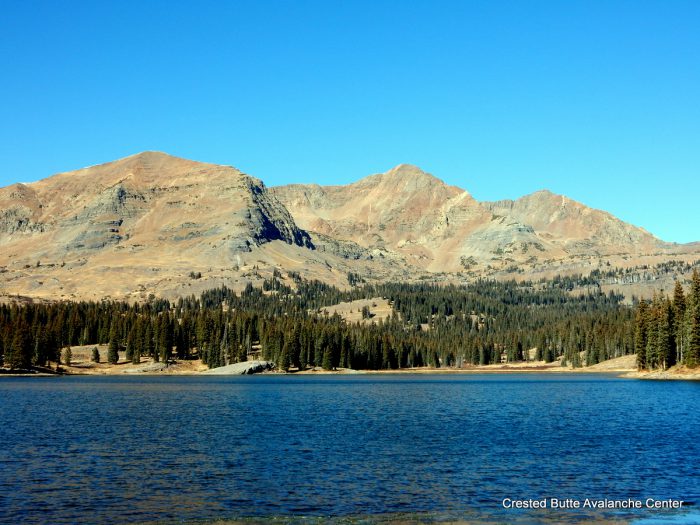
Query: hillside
(437, 227)
(154, 224)
(442, 228)
(151, 224)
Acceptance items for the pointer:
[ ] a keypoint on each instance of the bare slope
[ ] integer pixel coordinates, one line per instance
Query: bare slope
(410, 212)
(576, 227)
(142, 224)
(152, 223)
(443, 228)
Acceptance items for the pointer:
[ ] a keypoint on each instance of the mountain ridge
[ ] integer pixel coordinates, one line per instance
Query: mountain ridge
(143, 224)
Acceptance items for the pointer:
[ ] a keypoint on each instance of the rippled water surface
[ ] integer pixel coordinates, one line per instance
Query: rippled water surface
(409, 448)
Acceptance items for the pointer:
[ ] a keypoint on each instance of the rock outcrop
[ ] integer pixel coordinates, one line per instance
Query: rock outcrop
(241, 369)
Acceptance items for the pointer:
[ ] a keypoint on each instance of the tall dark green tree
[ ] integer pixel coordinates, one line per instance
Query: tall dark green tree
(113, 351)
(693, 353)
(19, 354)
(67, 356)
(679, 320)
(641, 334)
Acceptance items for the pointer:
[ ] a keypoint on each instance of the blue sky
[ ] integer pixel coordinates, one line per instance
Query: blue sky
(598, 100)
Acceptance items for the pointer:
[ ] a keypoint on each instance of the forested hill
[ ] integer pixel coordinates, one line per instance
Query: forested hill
(440, 326)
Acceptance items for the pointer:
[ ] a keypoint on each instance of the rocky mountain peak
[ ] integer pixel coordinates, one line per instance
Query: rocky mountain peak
(153, 218)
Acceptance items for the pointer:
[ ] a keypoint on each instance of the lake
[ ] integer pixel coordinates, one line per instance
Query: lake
(408, 448)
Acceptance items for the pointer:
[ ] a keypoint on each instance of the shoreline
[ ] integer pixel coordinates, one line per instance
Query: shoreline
(622, 367)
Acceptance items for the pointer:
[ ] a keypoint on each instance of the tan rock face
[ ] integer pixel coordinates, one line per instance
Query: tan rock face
(436, 226)
(140, 203)
(142, 224)
(576, 227)
(150, 223)
(442, 228)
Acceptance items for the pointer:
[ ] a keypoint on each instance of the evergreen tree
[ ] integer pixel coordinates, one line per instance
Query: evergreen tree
(679, 323)
(113, 352)
(693, 353)
(641, 334)
(136, 356)
(327, 361)
(19, 355)
(130, 343)
(67, 356)
(285, 361)
(95, 355)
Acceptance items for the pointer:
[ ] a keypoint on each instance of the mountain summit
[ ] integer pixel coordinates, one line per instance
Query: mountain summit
(444, 229)
(153, 223)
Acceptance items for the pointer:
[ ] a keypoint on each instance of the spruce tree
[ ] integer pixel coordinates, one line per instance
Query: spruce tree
(113, 352)
(19, 355)
(285, 360)
(640, 334)
(67, 356)
(130, 343)
(136, 356)
(327, 361)
(693, 354)
(95, 355)
(679, 323)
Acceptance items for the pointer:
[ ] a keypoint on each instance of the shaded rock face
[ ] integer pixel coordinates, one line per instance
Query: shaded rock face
(272, 221)
(149, 213)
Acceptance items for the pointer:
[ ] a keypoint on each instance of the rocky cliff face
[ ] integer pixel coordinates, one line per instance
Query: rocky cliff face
(152, 223)
(141, 202)
(410, 212)
(146, 215)
(576, 227)
(442, 228)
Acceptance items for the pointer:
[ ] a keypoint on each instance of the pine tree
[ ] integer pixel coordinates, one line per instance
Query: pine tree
(285, 358)
(67, 356)
(679, 324)
(19, 355)
(672, 353)
(327, 361)
(641, 334)
(130, 343)
(95, 355)
(693, 354)
(664, 344)
(113, 352)
(136, 356)
(165, 338)
(148, 344)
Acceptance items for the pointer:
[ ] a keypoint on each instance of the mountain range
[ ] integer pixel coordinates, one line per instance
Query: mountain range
(156, 224)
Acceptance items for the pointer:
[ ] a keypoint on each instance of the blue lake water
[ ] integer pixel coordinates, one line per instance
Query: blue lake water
(355, 449)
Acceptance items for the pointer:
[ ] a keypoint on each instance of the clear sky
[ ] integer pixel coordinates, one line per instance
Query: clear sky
(598, 100)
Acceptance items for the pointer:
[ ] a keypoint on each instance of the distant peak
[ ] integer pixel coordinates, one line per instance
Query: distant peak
(155, 160)
(407, 169)
(545, 194)
(152, 156)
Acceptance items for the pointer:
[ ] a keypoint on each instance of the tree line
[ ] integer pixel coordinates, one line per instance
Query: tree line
(431, 325)
(667, 330)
